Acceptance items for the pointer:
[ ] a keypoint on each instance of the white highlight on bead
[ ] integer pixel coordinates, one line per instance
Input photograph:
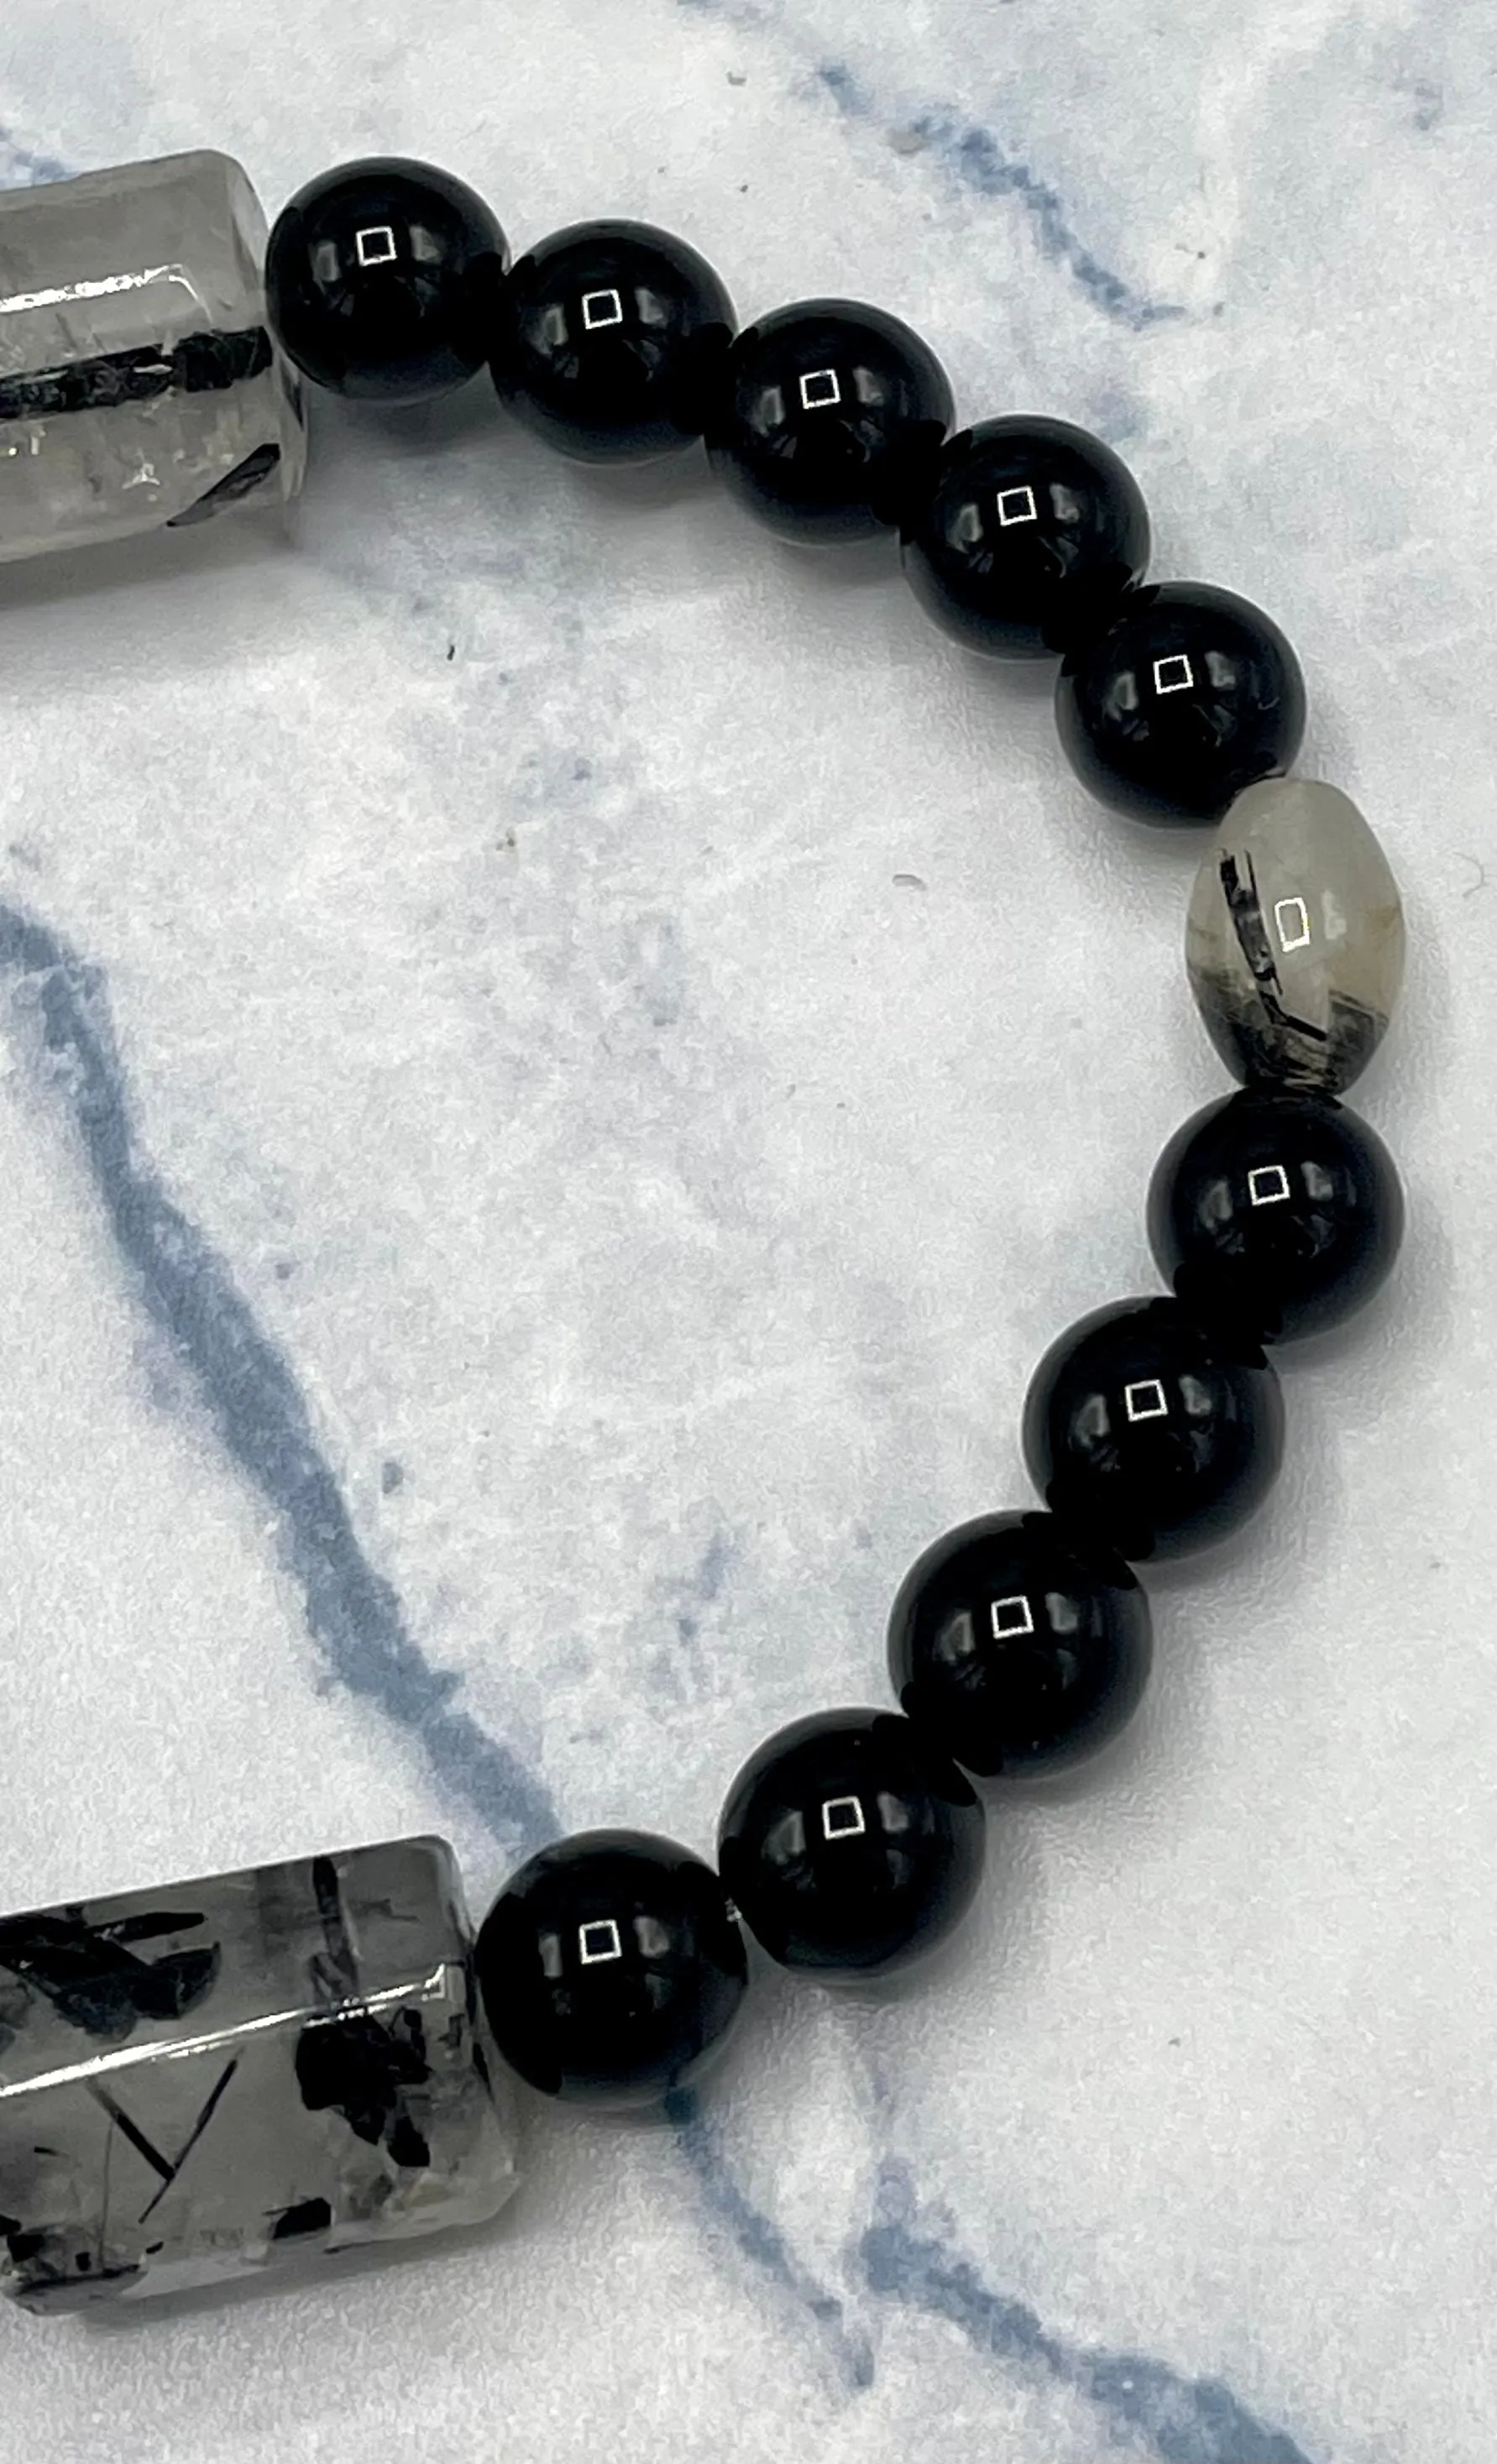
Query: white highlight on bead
(601, 308)
(1146, 1400)
(1016, 505)
(819, 390)
(1180, 672)
(598, 1941)
(375, 246)
(1291, 921)
(1011, 1617)
(842, 1818)
(1268, 1185)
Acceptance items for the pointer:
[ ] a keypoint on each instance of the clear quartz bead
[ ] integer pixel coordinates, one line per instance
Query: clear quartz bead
(1295, 941)
(227, 2077)
(139, 382)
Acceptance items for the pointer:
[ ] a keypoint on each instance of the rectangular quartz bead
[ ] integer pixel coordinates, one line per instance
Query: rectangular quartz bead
(139, 383)
(230, 2075)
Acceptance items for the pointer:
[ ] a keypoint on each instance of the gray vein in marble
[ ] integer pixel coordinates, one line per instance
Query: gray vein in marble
(1185, 2421)
(974, 158)
(260, 1415)
(760, 2238)
(21, 167)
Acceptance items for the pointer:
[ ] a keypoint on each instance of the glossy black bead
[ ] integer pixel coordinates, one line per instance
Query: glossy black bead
(1030, 531)
(1020, 1645)
(828, 420)
(612, 1967)
(611, 339)
(850, 1844)
(1152, 1431)
(381, 279)
(1185, 696)
(1277, 1212)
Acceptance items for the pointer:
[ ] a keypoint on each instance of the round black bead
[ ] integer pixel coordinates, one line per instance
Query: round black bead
(611, 337)
(850, 1844)
(381, 279)
(1030, 531)
(612, 1967)
(1020, 1646)
(829, 419)
(1152, 1430)
(1185, 696)
(1278, 1212)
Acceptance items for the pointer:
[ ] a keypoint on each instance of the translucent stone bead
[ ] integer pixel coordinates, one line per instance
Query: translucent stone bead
(1295, 941)
(216, 2080)
(139, 384)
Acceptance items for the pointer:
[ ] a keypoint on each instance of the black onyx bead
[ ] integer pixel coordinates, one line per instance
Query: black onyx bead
(850, 1844)
(382, 278)
(1030, 533)
(1019, 1645)
(1153, 1431)
(611, 337)
(612, 1967)
(1278, 1213)
(829, 419)
(1185, 696)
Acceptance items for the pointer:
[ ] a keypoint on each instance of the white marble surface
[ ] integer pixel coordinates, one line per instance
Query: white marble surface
(550, 1046)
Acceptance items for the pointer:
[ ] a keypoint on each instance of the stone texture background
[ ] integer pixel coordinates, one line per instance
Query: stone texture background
(561, 1065)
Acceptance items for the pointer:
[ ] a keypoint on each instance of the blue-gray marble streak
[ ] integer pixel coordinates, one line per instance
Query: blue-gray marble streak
(259, 1412)
(1185, 2421)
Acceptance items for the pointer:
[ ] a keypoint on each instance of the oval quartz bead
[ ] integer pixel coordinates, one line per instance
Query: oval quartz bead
(1294, 943)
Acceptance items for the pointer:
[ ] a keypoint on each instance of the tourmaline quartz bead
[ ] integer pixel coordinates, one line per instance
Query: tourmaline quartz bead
(1152, 1431)
(383, 277)
(852, 1845)
(1029, 531)
(828, 420)
(1183, 698)
(229, 2077)
(613, 1968)
(609, 338)
(1018, 1644)
(1276, 1211)
(1294, 943)
(140, 386)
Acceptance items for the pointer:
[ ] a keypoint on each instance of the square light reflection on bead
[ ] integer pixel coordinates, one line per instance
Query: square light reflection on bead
(1016, 505)
(601, 308)
(1012, 1617)
(375, 246)
(598, 1941)
(819, 390)
(1174, 674)
(1146, 1400)
(842, 1818)
(1291, 922)
(1268, 1185)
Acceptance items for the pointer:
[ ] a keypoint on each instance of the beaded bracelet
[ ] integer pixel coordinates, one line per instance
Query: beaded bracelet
(199, 2081)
